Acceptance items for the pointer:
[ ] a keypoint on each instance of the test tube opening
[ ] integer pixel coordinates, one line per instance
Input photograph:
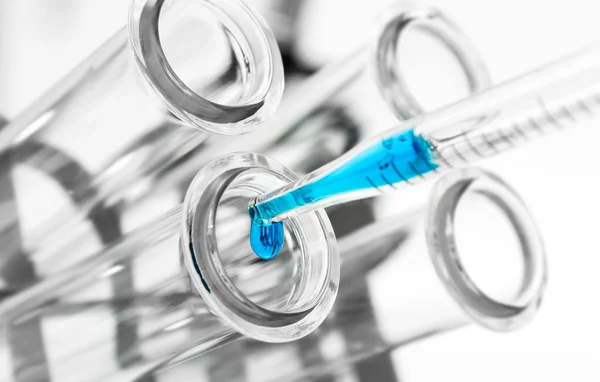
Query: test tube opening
(489, 246)
(214, 64)
(499, 312)
(300, 286)
(396, 87)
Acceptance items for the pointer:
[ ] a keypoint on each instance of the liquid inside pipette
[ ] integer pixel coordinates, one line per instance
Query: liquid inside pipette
(394, 160)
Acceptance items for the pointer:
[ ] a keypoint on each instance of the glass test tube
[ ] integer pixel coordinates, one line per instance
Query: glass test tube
(142, 102)
(197, 285)
(99, 139)
(390, 291)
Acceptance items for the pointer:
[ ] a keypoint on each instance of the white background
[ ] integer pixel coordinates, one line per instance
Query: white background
(41, 40)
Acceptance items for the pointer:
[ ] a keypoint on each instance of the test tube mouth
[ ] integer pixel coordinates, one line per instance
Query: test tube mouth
(487, 311)
(248, 73)
(391, 81)
(308, 287)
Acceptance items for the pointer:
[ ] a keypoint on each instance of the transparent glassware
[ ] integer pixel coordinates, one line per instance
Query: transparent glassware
(197, 286)
(312, 128)
(392, 294)
(106, 134)
(116, 191)
(368, 85)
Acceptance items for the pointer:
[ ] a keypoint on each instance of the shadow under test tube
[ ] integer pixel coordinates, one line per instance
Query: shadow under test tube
(225, 293)
(390, 294)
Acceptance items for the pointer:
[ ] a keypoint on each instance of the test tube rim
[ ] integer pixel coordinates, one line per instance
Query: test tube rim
(390, 80)
(258, 104)
(485, 310)
(201, 257)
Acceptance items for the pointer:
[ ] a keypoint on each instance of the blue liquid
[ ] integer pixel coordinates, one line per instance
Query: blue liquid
(392, 161)
(266, 240)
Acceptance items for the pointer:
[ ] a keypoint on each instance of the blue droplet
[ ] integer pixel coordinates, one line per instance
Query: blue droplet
(266, 240)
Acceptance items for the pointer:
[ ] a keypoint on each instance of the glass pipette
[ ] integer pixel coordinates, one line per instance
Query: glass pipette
(552, 97)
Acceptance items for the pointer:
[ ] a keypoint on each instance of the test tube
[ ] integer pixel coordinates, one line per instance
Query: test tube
(181, 71)
(197, 285)
(392, 294)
